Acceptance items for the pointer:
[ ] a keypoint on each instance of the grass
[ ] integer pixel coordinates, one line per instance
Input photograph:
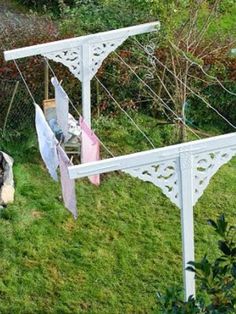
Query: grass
(124, 247)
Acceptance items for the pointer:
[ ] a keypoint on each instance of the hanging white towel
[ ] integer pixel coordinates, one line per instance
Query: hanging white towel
(62, 106)
(47, 142)
(67, 184)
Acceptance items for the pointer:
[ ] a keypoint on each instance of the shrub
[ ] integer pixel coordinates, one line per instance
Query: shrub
(94, 16)
(216, 279)
(53, 5)
(18, 31)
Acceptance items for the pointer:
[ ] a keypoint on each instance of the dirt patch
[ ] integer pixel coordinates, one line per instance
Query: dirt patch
(37, 214)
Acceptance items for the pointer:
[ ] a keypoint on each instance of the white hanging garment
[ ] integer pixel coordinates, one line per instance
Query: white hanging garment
(67, 184)
(62, 106)
(74, 129)
(47, 142)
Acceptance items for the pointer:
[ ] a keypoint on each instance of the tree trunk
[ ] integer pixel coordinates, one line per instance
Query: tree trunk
(182, 132)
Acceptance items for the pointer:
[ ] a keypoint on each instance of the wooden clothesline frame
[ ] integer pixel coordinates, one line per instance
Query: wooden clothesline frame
(174, 169)
(83, 55)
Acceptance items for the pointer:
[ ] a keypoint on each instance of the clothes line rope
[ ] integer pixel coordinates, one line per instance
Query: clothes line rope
(108, 92)
(202, 69)
(186, 86)
(131, 119)
(54, 74)
(77, 111)
(26, 85)
(155, 94)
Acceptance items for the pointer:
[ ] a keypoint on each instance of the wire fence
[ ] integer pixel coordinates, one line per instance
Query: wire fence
(17, 111)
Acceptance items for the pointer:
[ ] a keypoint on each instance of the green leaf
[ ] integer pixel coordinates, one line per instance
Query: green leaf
(233, 270)
(233, 252)
(224, 248)
(221, 225)
(190, 268)
(212, 223)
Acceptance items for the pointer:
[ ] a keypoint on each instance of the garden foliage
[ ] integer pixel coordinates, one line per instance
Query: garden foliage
(189, 25)
(216, 279)
(79, 17)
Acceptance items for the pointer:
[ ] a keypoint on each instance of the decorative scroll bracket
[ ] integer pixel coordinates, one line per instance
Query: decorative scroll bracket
(83, 55)
(85, 67)
(181, 171)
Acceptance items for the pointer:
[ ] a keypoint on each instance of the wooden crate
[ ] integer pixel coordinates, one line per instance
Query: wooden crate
(48, 103)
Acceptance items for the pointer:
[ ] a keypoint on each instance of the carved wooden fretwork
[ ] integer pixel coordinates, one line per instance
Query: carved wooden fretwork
(100, 51)
(205, 165)
(71, 58)
(164, 175)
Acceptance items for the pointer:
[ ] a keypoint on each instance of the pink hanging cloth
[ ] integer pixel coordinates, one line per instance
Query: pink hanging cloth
(67, 184)
(90, 148)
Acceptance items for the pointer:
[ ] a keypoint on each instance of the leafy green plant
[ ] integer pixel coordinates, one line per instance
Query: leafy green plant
(53, 5)
(216, 279)
(186, 32)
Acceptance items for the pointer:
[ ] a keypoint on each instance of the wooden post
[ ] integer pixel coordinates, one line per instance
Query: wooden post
(183, 155)
(86, 86)
(46, 80)
(187, 224)
(98, 98)
(10, 105)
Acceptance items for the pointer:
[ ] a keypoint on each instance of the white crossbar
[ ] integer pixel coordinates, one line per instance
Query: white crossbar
(78, 41)
(182, 171)
(151, 156)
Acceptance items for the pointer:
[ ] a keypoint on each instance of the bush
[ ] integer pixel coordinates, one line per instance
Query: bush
(203, 117)
(216, 279)
(94, 16)
(19, 31)
(53, 5)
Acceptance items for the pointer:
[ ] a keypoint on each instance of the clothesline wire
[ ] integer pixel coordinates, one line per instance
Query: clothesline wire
(23, 79)
(77, 111)
(32, 97)
(126, 113)
(146, 100)
(108, 92)
(201, 67)
(155, 94)
(54, 74)
(186, 86)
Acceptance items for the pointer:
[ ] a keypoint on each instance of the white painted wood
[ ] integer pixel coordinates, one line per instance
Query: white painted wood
(65, 44)
(175, 169)
(182, 171)
(86, 89)
(205, 165)
(152, 156)
(187, 222)
(164, 175)
(83, 55)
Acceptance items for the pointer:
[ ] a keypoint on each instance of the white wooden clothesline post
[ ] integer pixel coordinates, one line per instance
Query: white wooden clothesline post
(83, 55)
(182, 171)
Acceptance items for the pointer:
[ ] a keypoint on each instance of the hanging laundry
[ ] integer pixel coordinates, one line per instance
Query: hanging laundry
(47, 142)
(90, 148)
(67, 184)
(62, 106)
(74, 131)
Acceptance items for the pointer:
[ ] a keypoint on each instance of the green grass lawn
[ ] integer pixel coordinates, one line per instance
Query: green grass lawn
(124, 247)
